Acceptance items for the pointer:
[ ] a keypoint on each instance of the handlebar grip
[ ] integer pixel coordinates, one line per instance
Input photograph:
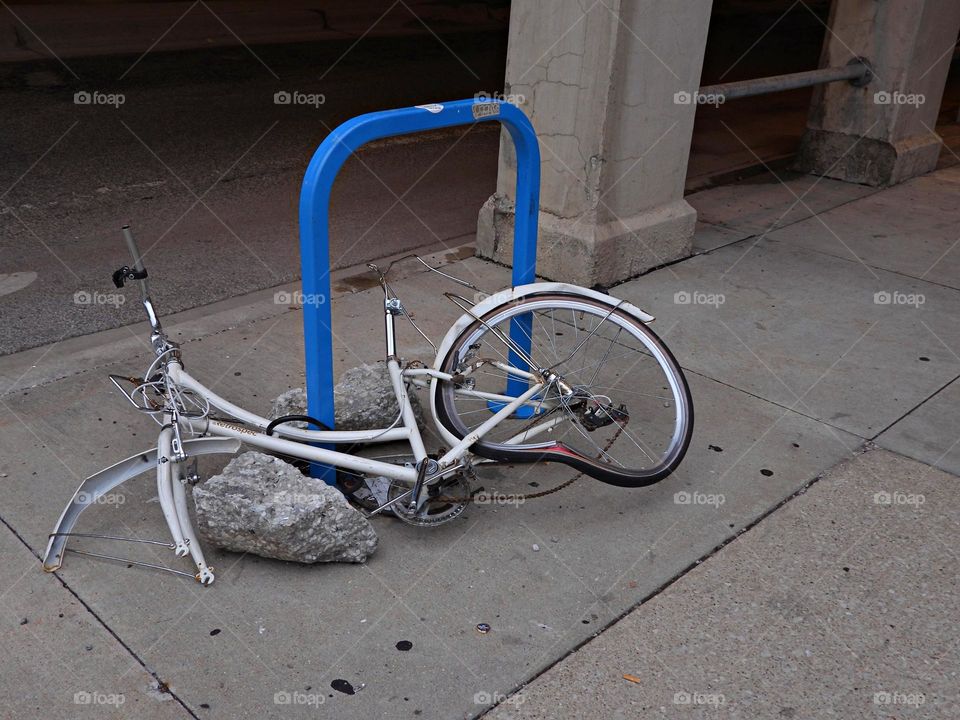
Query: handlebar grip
(160, 342)
(132, 246)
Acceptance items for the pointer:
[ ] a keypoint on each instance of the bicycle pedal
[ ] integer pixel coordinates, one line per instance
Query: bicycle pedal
(369, 493)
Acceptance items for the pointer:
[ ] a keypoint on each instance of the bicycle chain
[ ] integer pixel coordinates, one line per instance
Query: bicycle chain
(525, 496)
(531, 496)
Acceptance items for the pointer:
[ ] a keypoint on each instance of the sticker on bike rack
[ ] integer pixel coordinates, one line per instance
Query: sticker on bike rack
(432, 107)
(485, 109)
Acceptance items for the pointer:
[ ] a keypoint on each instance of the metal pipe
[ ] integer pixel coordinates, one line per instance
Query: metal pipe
(857, 72)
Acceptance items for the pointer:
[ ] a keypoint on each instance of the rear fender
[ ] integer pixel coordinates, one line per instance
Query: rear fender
(509, 295)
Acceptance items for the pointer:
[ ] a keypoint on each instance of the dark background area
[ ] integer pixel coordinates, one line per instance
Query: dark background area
(207, 168)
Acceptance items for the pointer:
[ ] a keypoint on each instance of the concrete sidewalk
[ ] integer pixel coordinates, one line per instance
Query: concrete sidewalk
(842, 603)
(806, 327)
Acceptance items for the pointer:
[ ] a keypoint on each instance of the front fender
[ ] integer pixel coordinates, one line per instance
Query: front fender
(96, 485)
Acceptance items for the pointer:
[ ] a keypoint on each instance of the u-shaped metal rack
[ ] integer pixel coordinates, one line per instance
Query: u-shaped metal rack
(314, 222)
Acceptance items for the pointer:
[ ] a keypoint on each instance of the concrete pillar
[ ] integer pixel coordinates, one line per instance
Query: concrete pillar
(608, 88)
(883, 133)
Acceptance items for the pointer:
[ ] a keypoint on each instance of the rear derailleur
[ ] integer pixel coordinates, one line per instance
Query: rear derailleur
(594, 414)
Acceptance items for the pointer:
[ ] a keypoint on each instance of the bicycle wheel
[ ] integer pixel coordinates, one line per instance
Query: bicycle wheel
(618, 409)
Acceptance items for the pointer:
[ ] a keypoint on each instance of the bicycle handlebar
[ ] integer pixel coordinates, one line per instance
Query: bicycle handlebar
(160, 342)
(137, 259)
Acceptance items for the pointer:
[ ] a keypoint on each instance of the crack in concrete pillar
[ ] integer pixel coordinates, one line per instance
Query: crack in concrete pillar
(599, 83)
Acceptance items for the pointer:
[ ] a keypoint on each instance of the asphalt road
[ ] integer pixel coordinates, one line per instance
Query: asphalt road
(206, 167)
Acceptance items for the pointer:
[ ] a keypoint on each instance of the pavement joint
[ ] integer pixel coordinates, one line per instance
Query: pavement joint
(733, 537)
(97, 619)
(916, 407)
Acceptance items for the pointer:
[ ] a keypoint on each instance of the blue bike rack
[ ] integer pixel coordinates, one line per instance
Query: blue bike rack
(315, 238)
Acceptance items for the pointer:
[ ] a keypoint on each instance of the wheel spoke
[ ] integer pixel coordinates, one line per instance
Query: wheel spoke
(622, 408)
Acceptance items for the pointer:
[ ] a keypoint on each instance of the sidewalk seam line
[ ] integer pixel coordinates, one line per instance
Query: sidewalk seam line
(916, 407)
(790, 409)
(770, 231)
(762, 234)
(666, 584)
(880, 268)
(101, 622)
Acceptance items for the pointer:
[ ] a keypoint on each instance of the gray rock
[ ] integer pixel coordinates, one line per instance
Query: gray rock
(261, 505)
(363, 400)
(292, 402)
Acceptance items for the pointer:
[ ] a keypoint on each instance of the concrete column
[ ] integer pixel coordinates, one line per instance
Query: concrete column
(607, 86)
(883, 133)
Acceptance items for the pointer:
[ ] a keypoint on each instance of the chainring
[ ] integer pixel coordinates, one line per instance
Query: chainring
(435, 510)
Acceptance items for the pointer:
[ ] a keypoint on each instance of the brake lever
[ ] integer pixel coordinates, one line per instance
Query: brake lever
(125, 273)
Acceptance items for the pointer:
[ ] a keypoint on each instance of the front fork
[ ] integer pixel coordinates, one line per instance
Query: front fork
(171, 490)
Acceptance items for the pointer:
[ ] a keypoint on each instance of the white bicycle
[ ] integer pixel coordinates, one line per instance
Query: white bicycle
(540, 372)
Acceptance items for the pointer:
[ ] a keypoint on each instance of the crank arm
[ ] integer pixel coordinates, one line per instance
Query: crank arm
(388, 504)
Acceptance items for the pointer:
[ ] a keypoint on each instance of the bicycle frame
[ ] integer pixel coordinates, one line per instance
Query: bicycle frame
(223, 436)
(186, 405)
(294, 441)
